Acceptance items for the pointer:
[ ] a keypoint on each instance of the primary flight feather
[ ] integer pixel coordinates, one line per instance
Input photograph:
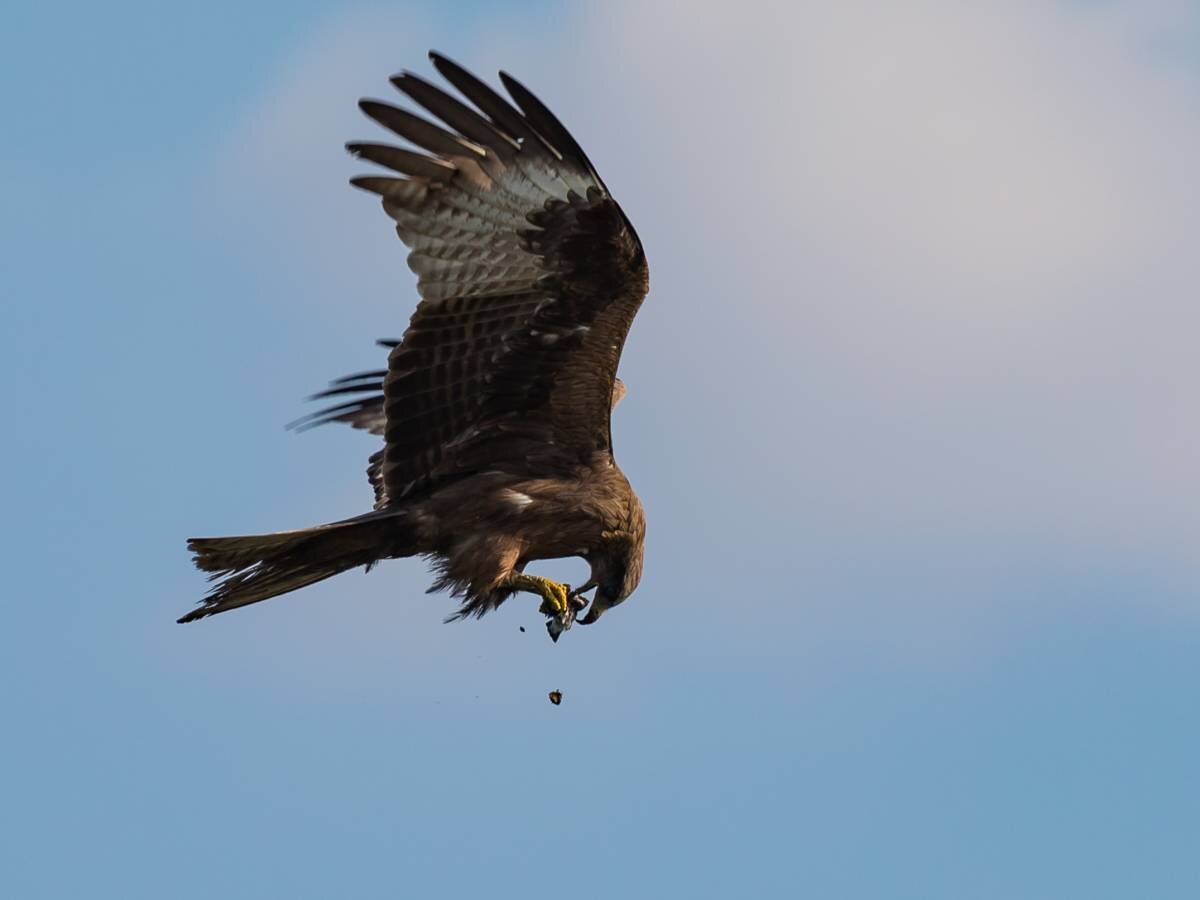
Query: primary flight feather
(495, 405)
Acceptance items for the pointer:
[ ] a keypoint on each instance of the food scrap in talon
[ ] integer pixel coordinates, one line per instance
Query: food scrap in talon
(556, 697)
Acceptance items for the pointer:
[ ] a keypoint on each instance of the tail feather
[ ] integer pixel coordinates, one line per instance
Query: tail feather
(251, 568)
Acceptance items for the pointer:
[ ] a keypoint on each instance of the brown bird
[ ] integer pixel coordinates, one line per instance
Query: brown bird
(495, 405)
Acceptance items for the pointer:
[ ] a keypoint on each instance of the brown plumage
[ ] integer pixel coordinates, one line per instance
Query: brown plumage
(495, 406)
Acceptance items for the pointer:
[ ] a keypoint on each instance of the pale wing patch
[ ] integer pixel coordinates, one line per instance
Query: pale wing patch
(516, 499)
(464, 211)
(463, 237)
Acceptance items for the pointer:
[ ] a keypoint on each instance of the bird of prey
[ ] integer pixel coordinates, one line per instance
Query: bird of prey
(495, 405)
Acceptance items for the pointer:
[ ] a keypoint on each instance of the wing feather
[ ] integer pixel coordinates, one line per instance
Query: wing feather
(548, 125)
(403, 161)
(499, 110)
(421, 132)
(457, 115)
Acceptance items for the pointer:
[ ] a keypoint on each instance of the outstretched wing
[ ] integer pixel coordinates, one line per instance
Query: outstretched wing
(530, 276)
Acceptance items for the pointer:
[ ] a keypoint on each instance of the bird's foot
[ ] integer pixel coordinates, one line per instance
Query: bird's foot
(557, 605)
(555, 597)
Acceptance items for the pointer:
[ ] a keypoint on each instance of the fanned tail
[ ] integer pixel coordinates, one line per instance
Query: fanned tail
(257, 567)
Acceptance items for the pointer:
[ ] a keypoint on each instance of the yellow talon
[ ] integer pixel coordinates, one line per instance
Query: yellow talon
(555, 596)
(554, 600)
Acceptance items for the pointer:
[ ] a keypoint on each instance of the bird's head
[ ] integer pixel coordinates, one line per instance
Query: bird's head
(616, 573)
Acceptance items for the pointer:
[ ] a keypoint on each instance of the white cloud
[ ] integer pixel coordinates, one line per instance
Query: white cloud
(923, 276)
(966, 236)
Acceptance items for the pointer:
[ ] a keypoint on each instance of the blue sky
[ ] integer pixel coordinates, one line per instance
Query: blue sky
(911, 410)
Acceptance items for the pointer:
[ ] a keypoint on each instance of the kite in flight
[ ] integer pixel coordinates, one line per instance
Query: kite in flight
(495, 405)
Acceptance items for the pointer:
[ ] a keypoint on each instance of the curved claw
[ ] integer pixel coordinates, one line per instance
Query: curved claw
(584, 588)
(556, 599)
(577, 602)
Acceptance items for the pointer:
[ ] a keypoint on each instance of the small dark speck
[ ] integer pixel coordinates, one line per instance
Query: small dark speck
(522, 629)
(556, 697)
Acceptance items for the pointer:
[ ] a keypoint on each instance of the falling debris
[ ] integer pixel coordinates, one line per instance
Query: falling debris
(556, 697)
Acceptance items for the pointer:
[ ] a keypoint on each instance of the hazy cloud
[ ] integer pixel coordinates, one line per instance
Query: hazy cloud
(920, 341)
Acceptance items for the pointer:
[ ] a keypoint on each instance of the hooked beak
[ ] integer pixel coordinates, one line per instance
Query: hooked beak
(600, 603)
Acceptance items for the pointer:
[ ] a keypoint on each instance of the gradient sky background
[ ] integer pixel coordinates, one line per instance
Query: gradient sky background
(912, 411)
